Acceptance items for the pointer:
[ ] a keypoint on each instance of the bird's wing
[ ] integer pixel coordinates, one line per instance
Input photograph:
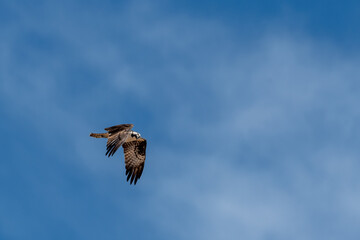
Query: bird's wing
(117, 136)
(135, 153)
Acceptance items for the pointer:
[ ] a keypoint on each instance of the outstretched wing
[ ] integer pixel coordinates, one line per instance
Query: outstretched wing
(117, 136)
(135, 153)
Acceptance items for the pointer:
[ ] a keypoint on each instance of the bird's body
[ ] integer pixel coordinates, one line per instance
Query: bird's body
(134, 148)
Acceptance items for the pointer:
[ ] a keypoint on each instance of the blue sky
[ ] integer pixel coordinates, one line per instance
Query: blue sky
(250, 109)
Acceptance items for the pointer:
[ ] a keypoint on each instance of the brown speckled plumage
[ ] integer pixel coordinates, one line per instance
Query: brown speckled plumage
(134, 148)
(134, 152)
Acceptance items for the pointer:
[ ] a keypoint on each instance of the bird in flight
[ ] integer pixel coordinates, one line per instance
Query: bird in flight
(134, 148)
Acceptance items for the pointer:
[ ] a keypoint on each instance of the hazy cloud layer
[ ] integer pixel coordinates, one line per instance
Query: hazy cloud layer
(247, 138)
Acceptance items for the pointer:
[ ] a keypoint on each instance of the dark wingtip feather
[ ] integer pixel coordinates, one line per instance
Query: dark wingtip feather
(128, 176)
(110, 150)
(132, 178)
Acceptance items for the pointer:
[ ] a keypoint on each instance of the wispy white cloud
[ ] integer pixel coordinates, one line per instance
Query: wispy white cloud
(246, 140)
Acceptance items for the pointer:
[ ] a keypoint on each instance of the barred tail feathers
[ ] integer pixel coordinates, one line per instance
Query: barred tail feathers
(99, 135)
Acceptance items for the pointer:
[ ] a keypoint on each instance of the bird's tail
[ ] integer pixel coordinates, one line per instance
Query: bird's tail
(99, 135)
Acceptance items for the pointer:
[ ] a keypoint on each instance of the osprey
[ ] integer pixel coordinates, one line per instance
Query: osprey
(134, 148)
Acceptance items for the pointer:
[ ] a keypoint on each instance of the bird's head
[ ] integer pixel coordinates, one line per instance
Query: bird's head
(135, 135)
